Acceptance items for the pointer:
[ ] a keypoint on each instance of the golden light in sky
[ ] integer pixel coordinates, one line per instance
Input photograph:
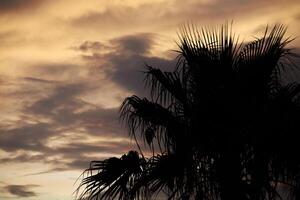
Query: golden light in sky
(65, 67)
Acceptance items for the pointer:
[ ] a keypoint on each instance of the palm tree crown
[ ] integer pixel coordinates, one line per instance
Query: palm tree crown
(222, 125)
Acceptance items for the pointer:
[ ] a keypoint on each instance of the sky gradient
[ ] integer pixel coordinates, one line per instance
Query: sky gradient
(66, 66)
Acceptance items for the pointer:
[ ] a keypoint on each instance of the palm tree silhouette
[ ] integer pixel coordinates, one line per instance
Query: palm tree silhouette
(222, 125)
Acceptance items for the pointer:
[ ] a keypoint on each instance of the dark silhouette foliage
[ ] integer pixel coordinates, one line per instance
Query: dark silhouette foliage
(222, 125)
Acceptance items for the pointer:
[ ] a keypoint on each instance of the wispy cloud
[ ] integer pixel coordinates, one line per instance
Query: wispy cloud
(17, 5)
(126, 59)
(21, 191)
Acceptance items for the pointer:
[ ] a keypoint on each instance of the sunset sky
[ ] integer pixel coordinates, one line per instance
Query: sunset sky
(66, 65)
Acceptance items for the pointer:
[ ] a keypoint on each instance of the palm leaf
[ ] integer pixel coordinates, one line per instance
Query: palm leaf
(262, 61)
(141, 115)
(166, 87)
(113, 178)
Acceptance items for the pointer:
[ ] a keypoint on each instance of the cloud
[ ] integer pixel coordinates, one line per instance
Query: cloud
(75, 149)
(6, 35)
(27, 137)
(37, 80)
(94, 19)
(129, 71)
(65, 108)
(174, 12)
(62, 111)
(70, 156)
(134, 44)
(57, 71)
(24, 157)
(54, 113)
(17, 5)
(90, 46)
(63, 97)
(59, 114)
(79, 164)
(297, 17)
(125, 62)
(21, 191)
(104, 120)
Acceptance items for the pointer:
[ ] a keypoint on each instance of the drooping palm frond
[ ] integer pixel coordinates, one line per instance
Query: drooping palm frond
(164, 173)
(114, 177)
(143, 116)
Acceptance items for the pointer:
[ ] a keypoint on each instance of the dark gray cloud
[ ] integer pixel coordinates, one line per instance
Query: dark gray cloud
(17, 5)
(128, 57)
(91, 46)
(79, 153)
(38, 80)
(297, 17)
(134, 44)
(64, 111)
(55, 70)
(129, 70)
(60, 107)
(21, 191)
(63, 103)
(27, 137)
(101, 120)
(78, 164)
(71, 156)
(63, 98)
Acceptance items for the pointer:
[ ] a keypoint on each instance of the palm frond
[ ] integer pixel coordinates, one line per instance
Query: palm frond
(164, 173)
(261, 61)
(209, 47)
(113, 178)
(141, 115)
(166, 87)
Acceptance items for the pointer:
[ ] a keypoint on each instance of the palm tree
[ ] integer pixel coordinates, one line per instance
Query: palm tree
(222, 125)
